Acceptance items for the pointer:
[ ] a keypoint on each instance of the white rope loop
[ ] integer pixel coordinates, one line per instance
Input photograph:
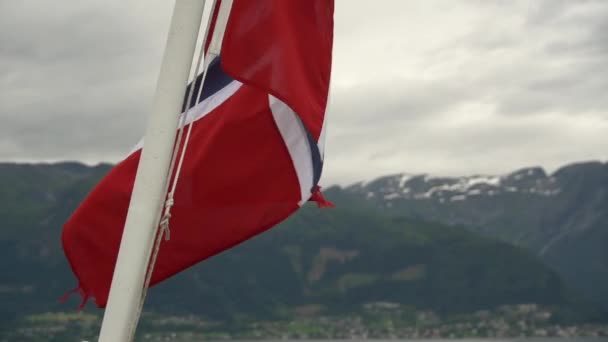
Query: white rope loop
(164, 222)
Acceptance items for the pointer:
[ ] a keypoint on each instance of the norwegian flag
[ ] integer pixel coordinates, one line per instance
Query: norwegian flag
(255, 153)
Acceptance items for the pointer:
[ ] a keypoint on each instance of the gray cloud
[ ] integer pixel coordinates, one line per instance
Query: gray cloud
(422, 86)
(76, 79)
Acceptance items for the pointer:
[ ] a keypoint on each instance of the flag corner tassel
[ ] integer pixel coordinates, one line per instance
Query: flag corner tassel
(83, 295)
(317, 197)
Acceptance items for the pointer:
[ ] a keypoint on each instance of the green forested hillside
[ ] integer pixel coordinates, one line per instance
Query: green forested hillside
(341, 259)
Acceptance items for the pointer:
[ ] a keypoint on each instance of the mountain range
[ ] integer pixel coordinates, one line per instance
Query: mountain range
(560, 217)
(451, 245)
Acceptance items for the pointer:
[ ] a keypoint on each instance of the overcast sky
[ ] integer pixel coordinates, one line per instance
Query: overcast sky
(448, 87)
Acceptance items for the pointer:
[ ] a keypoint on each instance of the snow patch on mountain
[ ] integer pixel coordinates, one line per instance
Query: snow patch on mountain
(406, 186)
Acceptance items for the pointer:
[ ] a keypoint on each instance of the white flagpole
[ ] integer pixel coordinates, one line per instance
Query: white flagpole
(122, 311)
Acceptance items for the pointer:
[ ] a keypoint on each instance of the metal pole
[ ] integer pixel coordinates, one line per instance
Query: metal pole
(122, 311)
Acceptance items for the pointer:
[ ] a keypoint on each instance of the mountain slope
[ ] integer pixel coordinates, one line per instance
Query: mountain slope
(342, 259)
(36, 199)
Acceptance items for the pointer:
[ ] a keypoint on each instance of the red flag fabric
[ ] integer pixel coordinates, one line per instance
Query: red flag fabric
(284, 48)
(255, 153)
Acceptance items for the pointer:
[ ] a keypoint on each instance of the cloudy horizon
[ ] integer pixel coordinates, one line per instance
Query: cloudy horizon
(439, 87)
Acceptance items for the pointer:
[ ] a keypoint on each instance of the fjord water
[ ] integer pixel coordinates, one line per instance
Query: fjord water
(523, 339)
